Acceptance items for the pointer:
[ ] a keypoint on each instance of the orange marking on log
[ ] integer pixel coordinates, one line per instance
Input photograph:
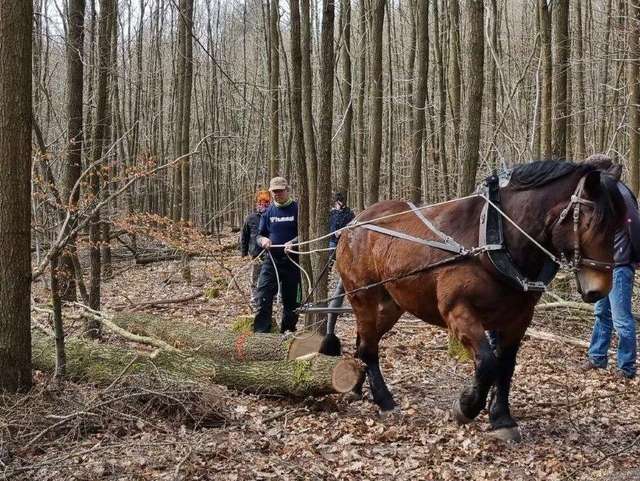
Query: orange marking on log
(239, 345)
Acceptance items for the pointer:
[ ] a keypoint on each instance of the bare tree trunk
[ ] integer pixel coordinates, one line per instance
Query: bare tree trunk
(362, 92)
(75, 135)
(187, 83)
(323, 197)
(347, 97)
(58, 327)
(546, 97)
(634, 94)
(455, 83)
(561, 46)
(419, 98)
(274, 85)
(298, 134)
(107, 10)
(473, 102)
(16, 30)
(442, 100)
(307, 109)
(580, 120)
(603, 108)
(375, 101)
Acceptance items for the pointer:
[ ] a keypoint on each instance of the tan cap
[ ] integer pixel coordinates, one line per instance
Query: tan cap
(278, 183)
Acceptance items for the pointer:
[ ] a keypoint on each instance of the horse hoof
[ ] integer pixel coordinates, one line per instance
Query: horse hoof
(458, 416)
(389, 413)
(507, 435)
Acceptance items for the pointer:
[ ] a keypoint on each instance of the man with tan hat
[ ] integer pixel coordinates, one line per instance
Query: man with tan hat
(278, 226)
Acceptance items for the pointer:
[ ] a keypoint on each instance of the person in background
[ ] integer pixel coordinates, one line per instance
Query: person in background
(339, 217)
(614, 311)
(248, 239)
(278, 226)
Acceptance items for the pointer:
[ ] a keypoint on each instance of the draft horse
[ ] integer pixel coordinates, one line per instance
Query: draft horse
(571, 210)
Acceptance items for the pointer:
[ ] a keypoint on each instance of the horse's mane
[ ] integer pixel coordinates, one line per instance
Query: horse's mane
(542, 172)
(609, 206)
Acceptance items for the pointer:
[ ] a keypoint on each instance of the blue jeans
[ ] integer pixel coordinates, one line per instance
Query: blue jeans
(614, 312)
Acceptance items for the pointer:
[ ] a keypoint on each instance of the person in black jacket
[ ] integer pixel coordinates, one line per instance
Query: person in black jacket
(614, 311)
(339, 217)
(248, 239)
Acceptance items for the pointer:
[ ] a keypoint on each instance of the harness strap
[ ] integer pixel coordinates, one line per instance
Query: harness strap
(410, 238)
(457, 248)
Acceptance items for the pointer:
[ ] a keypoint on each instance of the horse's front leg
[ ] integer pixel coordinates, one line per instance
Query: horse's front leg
(467, 328)
(503, 425)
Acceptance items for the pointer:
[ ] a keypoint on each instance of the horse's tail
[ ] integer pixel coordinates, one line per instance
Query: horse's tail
(331, 344)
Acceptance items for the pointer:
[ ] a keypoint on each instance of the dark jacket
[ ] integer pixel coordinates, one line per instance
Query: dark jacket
(338, 218)
(280, 225)
(248, 244)
(627, 239)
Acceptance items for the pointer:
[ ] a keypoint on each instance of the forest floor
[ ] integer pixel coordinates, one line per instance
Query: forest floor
(574, 425)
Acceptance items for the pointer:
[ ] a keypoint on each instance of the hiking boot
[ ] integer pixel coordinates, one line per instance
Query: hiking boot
(589, 366)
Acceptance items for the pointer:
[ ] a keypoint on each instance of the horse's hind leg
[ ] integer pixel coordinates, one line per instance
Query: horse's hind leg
(375, 313)
(468, 329)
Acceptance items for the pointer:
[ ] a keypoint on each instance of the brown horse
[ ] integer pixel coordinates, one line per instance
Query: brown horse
(469, 296)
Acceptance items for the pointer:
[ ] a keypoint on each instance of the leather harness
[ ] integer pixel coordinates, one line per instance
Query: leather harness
(492, 242)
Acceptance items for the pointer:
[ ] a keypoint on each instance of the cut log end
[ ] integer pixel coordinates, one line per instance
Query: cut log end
(346, 375)
(303, 344)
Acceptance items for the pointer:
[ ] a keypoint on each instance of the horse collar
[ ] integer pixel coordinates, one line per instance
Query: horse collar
(491, 239)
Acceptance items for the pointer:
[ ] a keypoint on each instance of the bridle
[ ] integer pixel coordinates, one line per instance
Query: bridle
(578, 260)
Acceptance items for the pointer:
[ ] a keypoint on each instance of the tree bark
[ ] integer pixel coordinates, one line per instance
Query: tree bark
(323, 196)
(102, 364)
(419, 99)
(105, 23)
(75, 134)
(375, 101)
(455, 82)
(580, 117)
(561, 46)
(16, 30)
(634, 93)
(307, 109)
(347, 97)
(274, 85)
(298, 134)
(238, 346)
(473, 103)
(547, 73)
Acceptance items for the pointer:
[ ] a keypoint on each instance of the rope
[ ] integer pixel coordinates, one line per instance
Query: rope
(371, 221)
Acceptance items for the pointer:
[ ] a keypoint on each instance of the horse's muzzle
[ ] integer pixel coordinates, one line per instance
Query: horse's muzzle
(593, 285)
(592, 296)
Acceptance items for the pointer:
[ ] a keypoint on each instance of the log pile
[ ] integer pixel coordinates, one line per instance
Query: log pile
(257, 363)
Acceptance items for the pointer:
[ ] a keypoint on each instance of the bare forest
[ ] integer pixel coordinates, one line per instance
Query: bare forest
(134, 137)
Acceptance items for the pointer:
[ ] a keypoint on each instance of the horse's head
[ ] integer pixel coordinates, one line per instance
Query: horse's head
(583, 230)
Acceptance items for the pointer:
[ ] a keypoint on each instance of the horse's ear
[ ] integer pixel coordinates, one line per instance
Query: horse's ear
(592, 183)
(615, 171)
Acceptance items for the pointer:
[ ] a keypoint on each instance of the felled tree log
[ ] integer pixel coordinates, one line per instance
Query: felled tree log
(220, 344)
(102, 364)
